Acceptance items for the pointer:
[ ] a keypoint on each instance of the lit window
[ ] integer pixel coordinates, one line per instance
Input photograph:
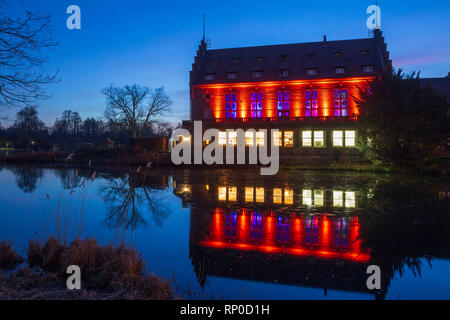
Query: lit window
(222, 138)
(339, 70)
(338, 138)
(345, 138)
(340, 102)
(289, 139)
(256, 104)
(209, 76)
(350, 138)
(249, 138)
(248, 194)
(283, 104)
(232, 75)
(230, 105)
(307, 138)
(350, 199)
(318, 198)
(318, 139)
(222, 194)
(277, 138)
(288, 196)
(260, 138)
(313, 138)
(259, 194)
(232, 194)
(311, 72)
(232, 138)
(307, 197)
(338, 198)
(277, 196)
(311, 103)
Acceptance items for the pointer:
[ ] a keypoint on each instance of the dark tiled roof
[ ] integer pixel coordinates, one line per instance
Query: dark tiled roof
(296, 58)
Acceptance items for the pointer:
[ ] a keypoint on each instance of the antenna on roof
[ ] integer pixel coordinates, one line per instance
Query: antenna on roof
(204, 27)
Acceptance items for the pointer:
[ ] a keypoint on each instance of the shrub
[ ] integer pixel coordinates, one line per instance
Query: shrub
(9, 258)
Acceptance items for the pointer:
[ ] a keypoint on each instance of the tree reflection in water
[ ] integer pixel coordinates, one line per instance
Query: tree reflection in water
(27, 179)
(127, 197)
(403, 224)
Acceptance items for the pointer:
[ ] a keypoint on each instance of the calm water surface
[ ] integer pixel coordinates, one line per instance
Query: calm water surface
(237, 235)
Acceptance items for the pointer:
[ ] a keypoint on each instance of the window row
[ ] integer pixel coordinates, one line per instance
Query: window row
(340, 138)
(283, 105)
(283, 73)
(340, 198)
(309, 138)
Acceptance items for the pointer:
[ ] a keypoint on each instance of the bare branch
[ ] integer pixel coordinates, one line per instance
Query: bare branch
(24, 43)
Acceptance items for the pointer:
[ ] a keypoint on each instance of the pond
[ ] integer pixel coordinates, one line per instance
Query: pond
(223, 234)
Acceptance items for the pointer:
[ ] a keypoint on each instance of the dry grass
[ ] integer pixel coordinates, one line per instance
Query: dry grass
(9, 258)
(107, 272)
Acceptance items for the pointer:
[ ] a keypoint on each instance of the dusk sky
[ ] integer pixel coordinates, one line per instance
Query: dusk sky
(153, 43)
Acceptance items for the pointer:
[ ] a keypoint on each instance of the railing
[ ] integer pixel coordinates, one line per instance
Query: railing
(284, 119)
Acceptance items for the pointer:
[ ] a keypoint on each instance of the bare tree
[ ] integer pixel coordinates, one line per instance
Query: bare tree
(24, 43)
(135, 108)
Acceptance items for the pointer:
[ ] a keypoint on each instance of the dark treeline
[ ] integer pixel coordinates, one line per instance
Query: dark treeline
(68, 132)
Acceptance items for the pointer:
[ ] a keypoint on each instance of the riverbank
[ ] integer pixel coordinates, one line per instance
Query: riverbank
(107, 273)
(120, 158)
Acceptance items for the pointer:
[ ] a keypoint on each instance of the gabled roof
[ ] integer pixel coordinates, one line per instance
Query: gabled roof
(324, 56)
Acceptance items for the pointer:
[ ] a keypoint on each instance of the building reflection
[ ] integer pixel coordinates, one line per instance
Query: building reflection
(281, 233)
(313, 230)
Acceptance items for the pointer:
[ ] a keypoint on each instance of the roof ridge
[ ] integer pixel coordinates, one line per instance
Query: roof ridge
(291, 44)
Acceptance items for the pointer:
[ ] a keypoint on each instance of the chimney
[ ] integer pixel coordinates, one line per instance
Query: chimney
(325, 40)
(448, 75)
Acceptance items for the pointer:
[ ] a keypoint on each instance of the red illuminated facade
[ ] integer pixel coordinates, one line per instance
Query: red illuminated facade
(296, 88)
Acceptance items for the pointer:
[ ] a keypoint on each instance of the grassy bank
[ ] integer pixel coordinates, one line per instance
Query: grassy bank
(367, 167)
(107, 272)
(120, 158)
(87, 156)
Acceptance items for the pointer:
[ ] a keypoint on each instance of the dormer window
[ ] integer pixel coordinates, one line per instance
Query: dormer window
(363, 52)
(284, 73)
(259, 60)
(367, 69)
(337, 53)
(209, 76)
(257, 74)
(311, 72)
(232, 75)
(339, 70)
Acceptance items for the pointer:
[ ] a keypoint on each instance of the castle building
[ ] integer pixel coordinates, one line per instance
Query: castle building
(306, 90)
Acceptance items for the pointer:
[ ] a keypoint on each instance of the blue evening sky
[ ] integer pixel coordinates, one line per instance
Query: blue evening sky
(153, 43)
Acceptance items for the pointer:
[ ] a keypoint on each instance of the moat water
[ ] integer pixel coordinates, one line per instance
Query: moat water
(236, 235)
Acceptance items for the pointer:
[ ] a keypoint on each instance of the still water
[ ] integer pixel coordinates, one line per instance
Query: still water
(236, 235)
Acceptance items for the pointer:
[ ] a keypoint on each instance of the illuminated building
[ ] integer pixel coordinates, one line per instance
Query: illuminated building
(305, 90)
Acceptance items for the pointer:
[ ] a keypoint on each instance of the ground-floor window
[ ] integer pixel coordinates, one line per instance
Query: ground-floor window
(314, 139)
(278, 138)
(288, 139)
(345, 138)
(283, 139)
